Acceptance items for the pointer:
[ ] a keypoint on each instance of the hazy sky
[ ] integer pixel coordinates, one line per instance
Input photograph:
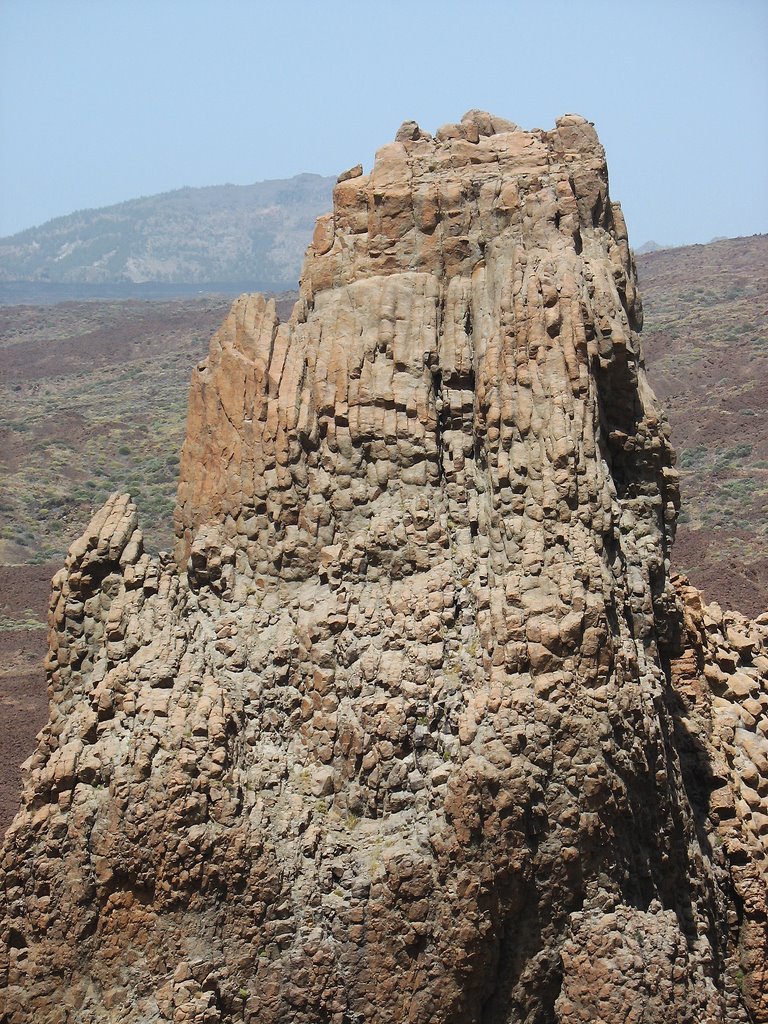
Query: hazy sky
(105, 100)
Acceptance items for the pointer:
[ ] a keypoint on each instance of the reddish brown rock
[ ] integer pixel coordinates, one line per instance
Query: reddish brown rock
(415, 727)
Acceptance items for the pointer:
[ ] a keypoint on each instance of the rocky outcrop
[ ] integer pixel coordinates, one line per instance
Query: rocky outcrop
(719, 681)
(415, 726)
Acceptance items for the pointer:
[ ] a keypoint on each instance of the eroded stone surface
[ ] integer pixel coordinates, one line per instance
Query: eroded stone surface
(415, 727)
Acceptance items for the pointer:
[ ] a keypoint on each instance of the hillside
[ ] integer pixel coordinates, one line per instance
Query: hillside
(706, 348)
(251, 234)
(94, 398)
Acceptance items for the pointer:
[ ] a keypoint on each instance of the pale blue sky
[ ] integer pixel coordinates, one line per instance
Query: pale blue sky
(105, 100)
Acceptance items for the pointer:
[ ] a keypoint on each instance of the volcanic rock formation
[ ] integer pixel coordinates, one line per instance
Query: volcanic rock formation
(415, 726)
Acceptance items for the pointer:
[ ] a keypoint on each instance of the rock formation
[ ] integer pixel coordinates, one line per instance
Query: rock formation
(415, 726)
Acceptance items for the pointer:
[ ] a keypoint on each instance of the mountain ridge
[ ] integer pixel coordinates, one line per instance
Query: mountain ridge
(188, 235)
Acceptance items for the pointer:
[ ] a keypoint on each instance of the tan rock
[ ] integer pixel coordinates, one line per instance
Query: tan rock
(416, 724)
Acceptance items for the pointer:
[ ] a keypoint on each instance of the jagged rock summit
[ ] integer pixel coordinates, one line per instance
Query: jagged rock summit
(415, 726)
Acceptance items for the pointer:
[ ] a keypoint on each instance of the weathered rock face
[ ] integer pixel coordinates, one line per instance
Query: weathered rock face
(416, 726)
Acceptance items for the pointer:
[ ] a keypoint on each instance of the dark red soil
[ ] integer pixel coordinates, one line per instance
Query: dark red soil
(735, 583)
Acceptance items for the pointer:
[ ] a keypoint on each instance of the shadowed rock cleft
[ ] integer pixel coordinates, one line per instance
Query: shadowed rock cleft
(415, 725)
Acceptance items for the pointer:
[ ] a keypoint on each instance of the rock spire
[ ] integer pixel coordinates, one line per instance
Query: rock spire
(415, 726)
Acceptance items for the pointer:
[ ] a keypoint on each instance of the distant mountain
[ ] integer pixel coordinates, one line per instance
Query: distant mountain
(255, 233)
(649, 247)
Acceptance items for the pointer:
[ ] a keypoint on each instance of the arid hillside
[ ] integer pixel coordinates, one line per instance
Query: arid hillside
(706, 348)
(93, 399)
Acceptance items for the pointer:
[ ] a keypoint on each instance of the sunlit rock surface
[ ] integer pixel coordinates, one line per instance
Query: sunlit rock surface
(414, 726)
